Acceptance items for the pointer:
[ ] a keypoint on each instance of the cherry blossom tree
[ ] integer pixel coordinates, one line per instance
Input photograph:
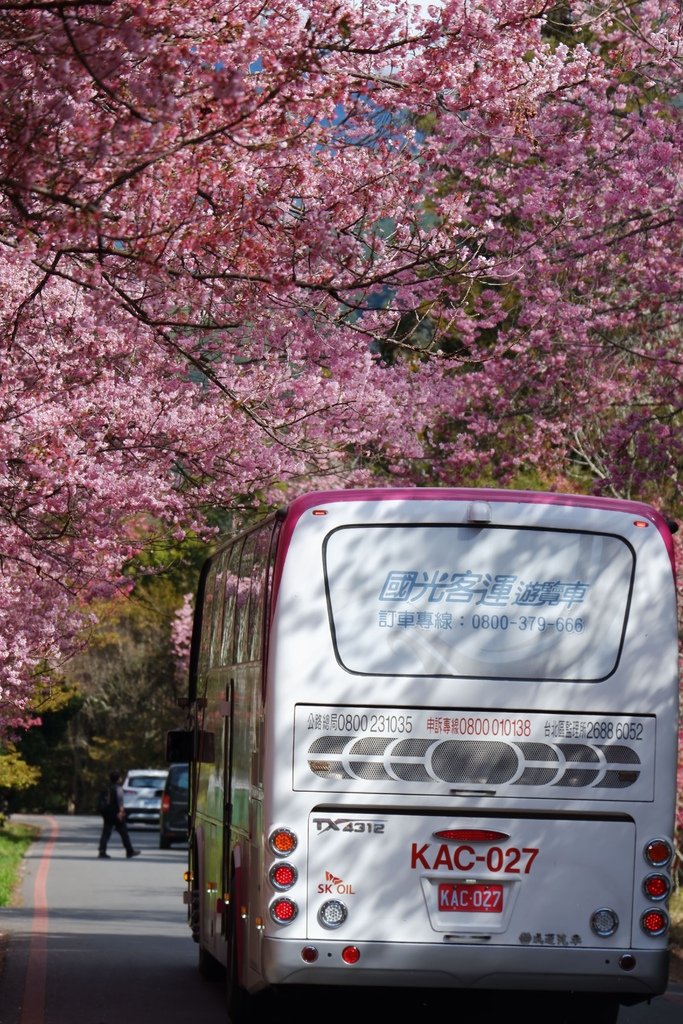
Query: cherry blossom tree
(243, 245)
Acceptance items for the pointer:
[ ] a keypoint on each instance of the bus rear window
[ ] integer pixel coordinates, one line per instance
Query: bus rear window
(482, 602)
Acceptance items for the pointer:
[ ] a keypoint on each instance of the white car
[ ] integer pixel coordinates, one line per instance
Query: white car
(142, 791)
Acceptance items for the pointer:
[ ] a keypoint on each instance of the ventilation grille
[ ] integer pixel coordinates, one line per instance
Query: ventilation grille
(459, 762)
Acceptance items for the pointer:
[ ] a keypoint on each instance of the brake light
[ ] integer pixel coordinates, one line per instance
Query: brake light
(654, 922)
(283, 876)
(656, 887)
(283, 910)
(471, 835)
(165, 803)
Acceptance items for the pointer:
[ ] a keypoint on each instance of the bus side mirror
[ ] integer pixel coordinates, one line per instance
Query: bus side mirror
(185, 745)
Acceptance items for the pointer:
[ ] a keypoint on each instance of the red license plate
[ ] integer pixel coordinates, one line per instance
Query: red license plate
(477, 898)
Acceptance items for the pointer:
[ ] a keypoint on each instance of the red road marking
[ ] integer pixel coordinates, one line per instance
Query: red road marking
(33, 1007)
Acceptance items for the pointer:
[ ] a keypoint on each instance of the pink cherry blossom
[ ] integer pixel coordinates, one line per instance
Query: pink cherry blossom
(247, 246)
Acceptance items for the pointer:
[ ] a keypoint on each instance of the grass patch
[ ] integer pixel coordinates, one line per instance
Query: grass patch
(14, 841)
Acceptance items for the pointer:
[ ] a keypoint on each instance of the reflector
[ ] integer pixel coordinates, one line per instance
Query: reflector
(658, 852)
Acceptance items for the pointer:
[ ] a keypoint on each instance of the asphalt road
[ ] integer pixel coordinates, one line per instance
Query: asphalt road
(106, 942)
(102, 941)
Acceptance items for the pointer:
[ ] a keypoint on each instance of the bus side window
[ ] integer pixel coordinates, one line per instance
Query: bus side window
(242, 611)
(207, 621)
(231, 585)
(217, 611)
(258, 594)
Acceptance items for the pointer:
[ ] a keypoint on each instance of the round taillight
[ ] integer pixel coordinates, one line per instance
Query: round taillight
(604, 922)
(282, 841)
(283, 910)
(309, 954)
(351, 955)
(656, 887)
(658, 853)
(283, 876)
(654, 922)
(332, 913)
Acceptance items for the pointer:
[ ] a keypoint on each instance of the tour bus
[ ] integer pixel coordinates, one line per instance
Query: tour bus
(432, 740)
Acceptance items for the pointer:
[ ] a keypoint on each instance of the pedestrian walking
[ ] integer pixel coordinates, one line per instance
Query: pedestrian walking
(114, 817)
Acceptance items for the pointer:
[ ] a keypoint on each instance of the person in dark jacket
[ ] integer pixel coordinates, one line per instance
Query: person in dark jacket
(114, 817)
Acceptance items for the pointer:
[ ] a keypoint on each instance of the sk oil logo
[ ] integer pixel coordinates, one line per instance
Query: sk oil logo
(334, 886)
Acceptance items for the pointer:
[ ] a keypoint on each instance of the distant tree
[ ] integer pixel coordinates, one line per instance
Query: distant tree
(15, 775)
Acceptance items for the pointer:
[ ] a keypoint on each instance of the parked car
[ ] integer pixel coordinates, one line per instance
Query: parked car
(173, 822)
(142, 791)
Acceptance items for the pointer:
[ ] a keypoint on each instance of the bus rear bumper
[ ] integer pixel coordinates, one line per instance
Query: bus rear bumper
(639, 973)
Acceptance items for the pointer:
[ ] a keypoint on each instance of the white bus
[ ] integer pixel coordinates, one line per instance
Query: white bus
(434, 746)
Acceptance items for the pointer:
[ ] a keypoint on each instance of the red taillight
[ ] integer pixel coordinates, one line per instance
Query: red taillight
(471, 835)
(282, 876)
(351, 955)
(658, 852)
(654, 922)
(283, 910)
(656, 887)
(165, 803)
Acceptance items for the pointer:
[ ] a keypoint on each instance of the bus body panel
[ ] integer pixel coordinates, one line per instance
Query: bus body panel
(468, 718)
(419, 965)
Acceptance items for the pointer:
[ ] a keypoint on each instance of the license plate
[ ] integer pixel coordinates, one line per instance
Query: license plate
(475, 898)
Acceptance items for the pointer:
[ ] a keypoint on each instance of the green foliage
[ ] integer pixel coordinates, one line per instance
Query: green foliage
(14, 841)
(15, 773)
(46, 751)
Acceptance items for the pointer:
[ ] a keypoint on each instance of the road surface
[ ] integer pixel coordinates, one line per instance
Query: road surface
(106, 942)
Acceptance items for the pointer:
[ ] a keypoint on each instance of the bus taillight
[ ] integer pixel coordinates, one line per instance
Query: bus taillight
(332, 913)
(656, 887)
(283, 910)
(282, 841)
(658, 852)
(604, 922)
(283, 876)
(654, 922)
